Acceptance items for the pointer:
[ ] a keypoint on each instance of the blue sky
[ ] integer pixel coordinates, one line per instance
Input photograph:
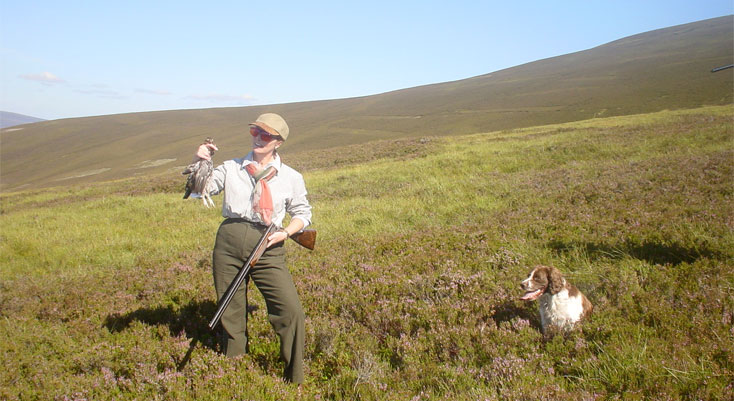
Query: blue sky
(61, 59)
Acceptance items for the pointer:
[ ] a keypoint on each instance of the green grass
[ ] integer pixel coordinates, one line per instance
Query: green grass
(412, 292)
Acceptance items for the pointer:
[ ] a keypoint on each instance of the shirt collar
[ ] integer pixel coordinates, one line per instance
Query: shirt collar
(276, 163)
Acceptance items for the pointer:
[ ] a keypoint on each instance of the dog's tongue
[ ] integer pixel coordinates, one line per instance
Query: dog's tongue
(531, 295)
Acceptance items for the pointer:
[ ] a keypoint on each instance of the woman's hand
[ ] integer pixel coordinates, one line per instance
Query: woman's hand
(203, 152)
(278, 236)
(282, 234)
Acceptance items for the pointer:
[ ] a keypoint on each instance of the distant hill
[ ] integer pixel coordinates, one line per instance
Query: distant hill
(8, 119)
(663, 69)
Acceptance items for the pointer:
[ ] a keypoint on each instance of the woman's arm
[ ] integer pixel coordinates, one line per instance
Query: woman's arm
(293, 227)
(216, 183)
(298, 208)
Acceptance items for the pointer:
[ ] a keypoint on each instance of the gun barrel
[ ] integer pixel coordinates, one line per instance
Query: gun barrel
(240, 277)
(722, 68)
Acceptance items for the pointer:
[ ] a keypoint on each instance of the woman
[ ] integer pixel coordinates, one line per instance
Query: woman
(260, 189)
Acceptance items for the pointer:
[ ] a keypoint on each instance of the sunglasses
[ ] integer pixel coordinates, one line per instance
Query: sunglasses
(264, 136)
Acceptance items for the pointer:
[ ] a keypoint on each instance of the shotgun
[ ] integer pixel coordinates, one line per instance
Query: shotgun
(305, 238)
(722, 67)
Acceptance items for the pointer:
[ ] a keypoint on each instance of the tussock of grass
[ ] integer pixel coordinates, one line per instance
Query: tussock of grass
(412, 291)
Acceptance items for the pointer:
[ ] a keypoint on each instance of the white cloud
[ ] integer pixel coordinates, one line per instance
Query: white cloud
(45, 78)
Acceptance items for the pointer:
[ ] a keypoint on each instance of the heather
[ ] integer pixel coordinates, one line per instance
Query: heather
(412, 292)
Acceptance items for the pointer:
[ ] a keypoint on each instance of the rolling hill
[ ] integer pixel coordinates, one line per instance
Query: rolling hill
(663, 69)
(8, 119)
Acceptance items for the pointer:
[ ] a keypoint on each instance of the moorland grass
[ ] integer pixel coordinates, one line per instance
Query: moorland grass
(412, 291)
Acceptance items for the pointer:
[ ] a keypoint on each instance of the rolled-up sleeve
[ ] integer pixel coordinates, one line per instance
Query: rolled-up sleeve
(298, 207)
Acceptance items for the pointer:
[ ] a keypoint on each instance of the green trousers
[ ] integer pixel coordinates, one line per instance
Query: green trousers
(235, 240)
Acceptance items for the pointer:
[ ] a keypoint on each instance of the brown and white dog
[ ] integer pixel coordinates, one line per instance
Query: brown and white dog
(562, 305)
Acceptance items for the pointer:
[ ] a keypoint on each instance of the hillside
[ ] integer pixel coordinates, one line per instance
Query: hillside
(412, 290)
(8, 119)
(663, 69)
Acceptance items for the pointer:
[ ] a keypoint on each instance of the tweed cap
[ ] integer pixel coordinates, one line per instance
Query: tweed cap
(273, 124)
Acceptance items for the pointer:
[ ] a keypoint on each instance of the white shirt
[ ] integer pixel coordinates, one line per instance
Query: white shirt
(287, 189)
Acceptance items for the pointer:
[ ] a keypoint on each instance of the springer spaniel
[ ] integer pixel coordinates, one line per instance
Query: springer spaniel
(562, 305)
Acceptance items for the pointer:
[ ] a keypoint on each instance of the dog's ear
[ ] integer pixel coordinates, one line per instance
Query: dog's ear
(556, 281)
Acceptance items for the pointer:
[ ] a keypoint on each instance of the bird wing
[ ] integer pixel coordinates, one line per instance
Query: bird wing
(202, 174)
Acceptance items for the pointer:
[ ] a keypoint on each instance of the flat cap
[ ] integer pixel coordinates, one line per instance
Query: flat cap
(273, 124)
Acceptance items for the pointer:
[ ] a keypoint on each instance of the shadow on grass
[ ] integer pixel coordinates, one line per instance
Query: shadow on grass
(191, 319)
(510, 310)
(654, 253)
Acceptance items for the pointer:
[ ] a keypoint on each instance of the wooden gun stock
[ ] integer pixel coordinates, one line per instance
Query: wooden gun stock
(305, 238)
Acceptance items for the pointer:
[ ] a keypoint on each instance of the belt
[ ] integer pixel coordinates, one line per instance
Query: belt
(243, 220)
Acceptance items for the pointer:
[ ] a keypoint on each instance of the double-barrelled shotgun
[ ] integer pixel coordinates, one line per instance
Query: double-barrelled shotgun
(305, 238)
